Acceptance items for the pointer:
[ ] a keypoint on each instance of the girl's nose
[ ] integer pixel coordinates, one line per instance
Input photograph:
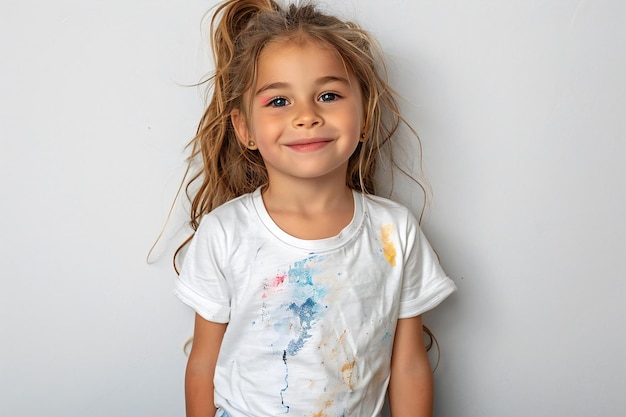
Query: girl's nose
(307, 117)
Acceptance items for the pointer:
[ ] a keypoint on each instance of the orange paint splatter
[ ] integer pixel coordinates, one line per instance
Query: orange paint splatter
(347, 371)
(322, 413)
(388, 249)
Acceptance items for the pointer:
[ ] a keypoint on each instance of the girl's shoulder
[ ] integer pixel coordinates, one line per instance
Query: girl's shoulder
(377, 205)
(382, 201)
(233, 212)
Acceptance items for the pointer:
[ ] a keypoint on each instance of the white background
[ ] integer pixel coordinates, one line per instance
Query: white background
(521, 107)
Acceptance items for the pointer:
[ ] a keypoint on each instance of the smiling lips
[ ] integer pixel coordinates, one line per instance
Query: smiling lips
(309, 145)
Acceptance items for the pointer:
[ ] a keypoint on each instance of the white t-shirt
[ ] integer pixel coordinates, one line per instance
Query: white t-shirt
(310, 322)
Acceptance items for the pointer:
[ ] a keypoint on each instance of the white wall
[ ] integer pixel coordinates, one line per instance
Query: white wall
(520, 106)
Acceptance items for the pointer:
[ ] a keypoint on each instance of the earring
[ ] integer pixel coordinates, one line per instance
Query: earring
(362, 137)
(251, 144)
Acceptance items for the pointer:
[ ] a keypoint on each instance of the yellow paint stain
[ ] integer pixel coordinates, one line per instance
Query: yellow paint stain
(347, 371)
(388, 249)
(322, 413)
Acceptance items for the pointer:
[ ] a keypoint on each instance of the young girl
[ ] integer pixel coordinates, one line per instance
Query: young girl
(308, 288)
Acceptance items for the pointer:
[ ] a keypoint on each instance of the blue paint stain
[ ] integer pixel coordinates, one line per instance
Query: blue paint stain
(306, 313)
(282, 391)
(386, 336)
(304, 307)
(305, 302)
(301, 274)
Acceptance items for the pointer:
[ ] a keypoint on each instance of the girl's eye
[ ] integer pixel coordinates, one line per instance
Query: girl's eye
(278, 102)
(329, 97)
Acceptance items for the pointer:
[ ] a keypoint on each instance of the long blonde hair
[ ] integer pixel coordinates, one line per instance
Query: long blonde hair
(220, 167)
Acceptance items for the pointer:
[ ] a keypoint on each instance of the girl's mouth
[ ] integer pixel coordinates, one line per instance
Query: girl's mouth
(309, 145)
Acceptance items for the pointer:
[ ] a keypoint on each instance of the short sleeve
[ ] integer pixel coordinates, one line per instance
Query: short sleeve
(424, 282)
(202, 283)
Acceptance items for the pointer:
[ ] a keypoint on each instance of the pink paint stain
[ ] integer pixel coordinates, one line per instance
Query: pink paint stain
(278, 280)
(273, 284)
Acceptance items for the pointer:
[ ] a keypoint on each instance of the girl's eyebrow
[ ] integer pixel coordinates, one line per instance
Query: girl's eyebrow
(271, 86)
(320, 81)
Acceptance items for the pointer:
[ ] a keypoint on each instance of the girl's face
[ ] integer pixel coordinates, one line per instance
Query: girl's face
(306, 116)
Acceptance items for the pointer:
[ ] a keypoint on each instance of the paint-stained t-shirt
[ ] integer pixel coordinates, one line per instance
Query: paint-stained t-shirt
(311, 323)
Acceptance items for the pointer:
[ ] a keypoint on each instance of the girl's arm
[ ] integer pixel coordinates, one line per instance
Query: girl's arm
(207, 339)
(411, 383)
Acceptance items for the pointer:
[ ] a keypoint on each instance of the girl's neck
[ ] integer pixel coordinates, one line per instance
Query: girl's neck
(309, 210)
(307, 196)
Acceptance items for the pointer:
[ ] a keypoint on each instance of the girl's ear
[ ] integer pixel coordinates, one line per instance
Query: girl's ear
(241, 129)
(363, 130)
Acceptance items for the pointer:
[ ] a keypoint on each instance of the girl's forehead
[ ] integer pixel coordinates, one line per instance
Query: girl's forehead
(277, 54)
